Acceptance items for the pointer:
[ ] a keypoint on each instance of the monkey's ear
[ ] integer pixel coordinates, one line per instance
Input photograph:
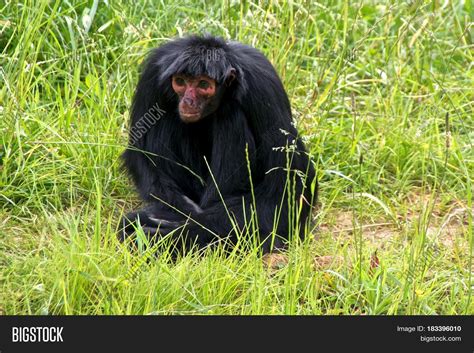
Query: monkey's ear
(230, 77)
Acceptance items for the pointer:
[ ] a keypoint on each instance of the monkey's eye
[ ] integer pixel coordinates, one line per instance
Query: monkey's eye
(179, 81)
(203, 84)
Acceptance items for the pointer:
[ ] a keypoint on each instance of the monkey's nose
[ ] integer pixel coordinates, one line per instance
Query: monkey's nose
(189, 102)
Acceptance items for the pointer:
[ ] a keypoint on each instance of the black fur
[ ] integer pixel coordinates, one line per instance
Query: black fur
(168, 160)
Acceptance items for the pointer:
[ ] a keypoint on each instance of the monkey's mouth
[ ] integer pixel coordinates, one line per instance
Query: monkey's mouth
(189, 114)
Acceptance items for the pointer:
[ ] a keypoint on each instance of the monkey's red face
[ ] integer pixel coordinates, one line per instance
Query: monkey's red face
(197, 96)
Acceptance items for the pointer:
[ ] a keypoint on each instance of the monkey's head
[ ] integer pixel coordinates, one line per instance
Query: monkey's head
(199, 96)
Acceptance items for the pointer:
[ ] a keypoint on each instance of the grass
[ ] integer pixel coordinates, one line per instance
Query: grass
(382, 92)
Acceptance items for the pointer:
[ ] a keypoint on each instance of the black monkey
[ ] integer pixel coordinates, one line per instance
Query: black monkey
(212, 148)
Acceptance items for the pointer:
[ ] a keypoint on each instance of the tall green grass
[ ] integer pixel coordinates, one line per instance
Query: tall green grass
(381, 91)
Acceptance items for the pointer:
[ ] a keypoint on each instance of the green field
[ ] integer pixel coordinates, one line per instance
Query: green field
(383, 93)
